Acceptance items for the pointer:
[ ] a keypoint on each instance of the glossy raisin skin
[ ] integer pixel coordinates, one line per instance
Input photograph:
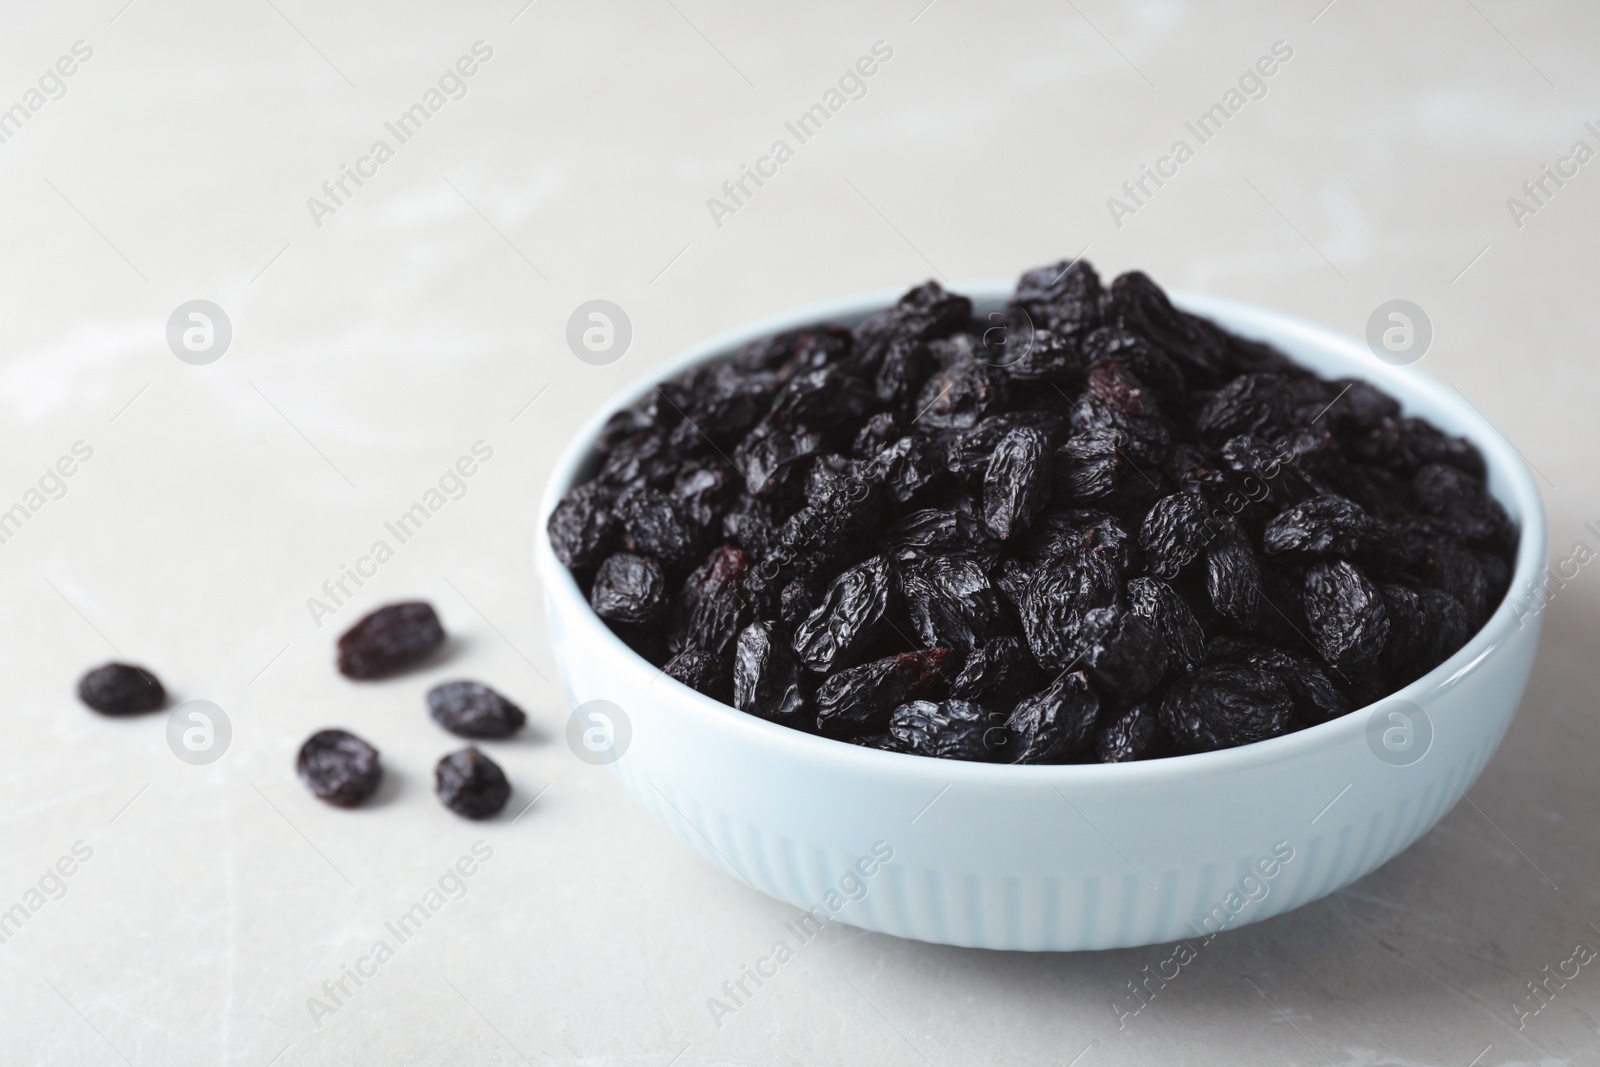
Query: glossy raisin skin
(472, 709)
(121, 689)
(339, 767)
(471, 784)
(389, 640)
(1088, 526)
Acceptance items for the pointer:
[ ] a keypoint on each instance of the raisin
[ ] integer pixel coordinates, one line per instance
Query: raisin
(1175, 533)
(1033, 357)
(940, 532)
(950, 601)
(1250, 404)
(121, 689)
(1134, 734)
(1346, 614)
(1329, 526)
(1180, 631)
(706, 493)
(471, 784)
(905, 468)
(1055, 724)
(655, 523)
(850, 617)
(1063, 297)
(859, 700)
(1058, 597)
(1017, 483)
(997, 674)
(339, 767)
(951, 729)
(645, 459)
(766, 680)
(1234, 580)
(472, 709)
(583, 526)
(390, 639)
(769, 452)
(959, 396)
(1225, 705)
(1464, 503)
(629, 589)
(704, 672)
(1123, 652)
(713, 607)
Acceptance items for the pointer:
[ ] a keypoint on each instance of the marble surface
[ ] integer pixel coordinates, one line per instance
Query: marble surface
(376, 339)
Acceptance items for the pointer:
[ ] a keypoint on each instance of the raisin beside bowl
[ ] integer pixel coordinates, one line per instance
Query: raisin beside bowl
(994, 842)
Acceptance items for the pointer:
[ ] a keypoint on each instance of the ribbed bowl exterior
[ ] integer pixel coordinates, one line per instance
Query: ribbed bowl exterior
(1071, 857)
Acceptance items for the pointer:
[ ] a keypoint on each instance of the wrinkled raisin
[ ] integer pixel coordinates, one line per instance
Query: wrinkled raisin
(471, 784)
(390, 639)
(339, 767)
(472, 709)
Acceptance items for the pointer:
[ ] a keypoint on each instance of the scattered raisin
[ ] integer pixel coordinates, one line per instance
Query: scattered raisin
(339, 767)
(472, 709)
(121, 689)
(471, 784)
(390, 639)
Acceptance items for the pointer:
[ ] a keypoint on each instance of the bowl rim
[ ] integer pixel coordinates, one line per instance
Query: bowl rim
(1517, 490)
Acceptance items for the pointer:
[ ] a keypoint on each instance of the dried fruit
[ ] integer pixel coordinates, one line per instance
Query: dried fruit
(859, 700)
(951, 729)
(471, 784)
(766, 679)
(1017, 483)
(1226, 705)
(1116, 524)
(1055, 724)
(390, 639)
(629, 589)
(472, 709)
(121, 689)
(339, 767)
(851, 614)
(1349, 623)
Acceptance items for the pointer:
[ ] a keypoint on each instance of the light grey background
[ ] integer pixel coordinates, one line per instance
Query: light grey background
(430, 312)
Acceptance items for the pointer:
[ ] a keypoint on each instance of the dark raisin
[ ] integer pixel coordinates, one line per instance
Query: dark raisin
(997, 674)
(1234, 580)
(713, 606)
(629, 589)
(1180, 632)
(1017, 484)
(1055, 724)
(859, 700)
(1226, 705)
(852, 613)
(471, 784)
(583, 527)
(339, 767)
(766, 679)
(1134, 734)
(1057, 599)
(1346, 614)
(655, 523)
(951, 729)
(1250, 404)
(390, 639)
(1329, 526)
(472, 709)
(959, 396)
(1123, 652)
(949, 601)
(121, 689)
(1064, 297)
(704, 672)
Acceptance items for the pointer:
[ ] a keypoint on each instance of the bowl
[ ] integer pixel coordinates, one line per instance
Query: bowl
(1054, 858)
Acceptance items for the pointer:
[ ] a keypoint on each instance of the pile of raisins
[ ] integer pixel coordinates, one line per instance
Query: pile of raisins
(1089, 527)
